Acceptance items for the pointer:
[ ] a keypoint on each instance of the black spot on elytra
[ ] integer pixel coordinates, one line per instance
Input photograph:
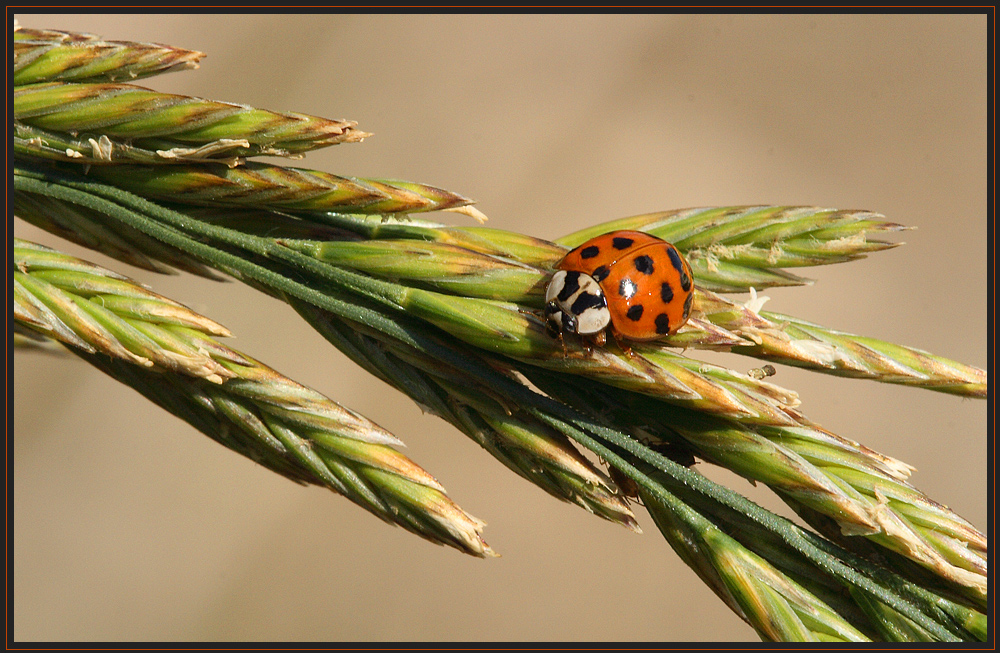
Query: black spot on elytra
(601, 273)
(589, 252)
(675, 259)
(570, 285)
(634, 313)
(662, 324)
(644, 264)
(666, 293)
(627, 288)
(586, 301)
(687, 306)
(621, 243)
(678, 263)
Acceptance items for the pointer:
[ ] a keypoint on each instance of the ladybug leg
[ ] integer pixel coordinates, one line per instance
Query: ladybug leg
(622, 343)
(593, 340)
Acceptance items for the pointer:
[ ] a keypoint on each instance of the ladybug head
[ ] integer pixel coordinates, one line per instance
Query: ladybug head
(575, 302)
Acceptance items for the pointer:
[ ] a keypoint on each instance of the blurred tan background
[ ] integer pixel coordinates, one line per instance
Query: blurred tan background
(130, 525)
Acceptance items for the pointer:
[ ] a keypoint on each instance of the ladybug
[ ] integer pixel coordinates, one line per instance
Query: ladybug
(635, 283)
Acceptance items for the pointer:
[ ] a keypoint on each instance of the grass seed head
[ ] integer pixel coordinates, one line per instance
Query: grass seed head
(52, 55)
